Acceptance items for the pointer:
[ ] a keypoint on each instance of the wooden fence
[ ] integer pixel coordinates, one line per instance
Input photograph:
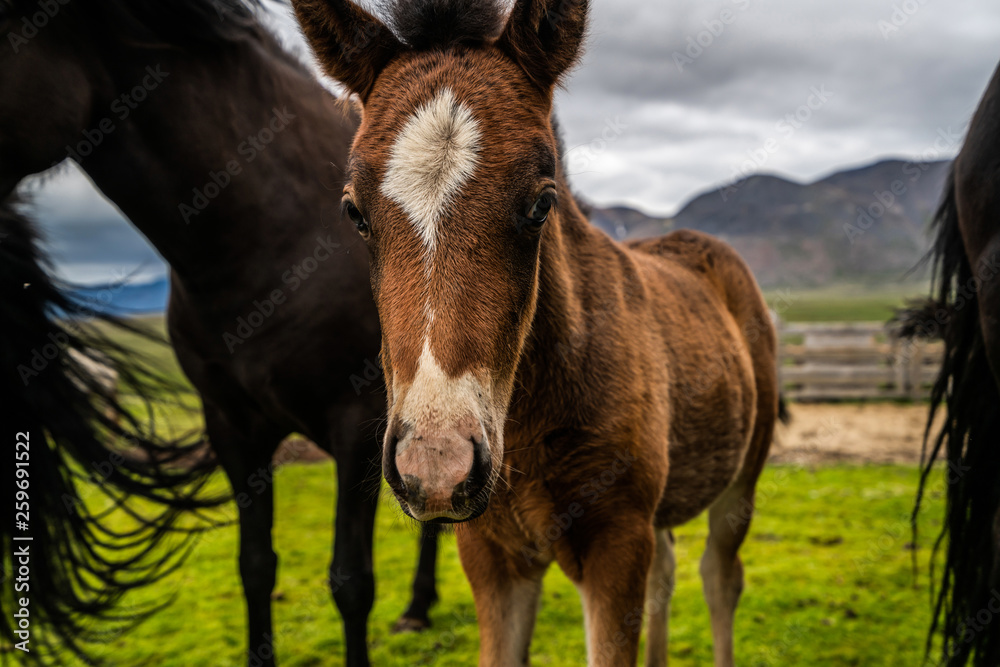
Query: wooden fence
(853, 360)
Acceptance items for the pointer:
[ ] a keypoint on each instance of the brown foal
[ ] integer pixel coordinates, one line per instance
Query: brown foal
(569, 397)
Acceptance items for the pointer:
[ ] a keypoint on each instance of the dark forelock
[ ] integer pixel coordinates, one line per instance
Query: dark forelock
(431, 24)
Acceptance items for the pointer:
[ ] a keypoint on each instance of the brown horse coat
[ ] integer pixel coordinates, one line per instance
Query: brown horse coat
(570, 398)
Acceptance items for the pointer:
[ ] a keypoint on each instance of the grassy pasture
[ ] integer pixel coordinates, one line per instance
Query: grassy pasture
(829, 569)
(843, 303)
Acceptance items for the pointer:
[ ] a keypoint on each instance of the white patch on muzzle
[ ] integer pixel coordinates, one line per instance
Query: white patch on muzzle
(435, 402)
(433, 157)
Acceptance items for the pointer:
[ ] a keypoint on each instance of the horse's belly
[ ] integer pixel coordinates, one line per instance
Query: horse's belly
(709, 438)
(699, 473)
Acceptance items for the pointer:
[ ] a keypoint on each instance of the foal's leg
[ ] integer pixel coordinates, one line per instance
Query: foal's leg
(613, 589)
(352, 579)
(659, 589)
(416, 617)
(243, 457)
(506, 594)
(721, 568)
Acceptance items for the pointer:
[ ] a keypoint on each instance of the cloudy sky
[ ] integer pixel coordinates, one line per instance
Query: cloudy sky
(699, 98)
(675, 97)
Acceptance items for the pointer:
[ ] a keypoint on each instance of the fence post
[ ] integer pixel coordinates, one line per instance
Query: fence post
(900, 364)
(914, 365)
(779, 331)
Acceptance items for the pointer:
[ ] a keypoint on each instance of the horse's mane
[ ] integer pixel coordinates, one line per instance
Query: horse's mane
(433, 24)
(157, 23)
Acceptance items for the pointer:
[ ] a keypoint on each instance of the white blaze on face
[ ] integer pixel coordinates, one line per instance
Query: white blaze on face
(432, 158)
(435, 402)
(434, 155)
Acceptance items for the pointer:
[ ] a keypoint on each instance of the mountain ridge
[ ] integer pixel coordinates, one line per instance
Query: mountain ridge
(862, 224)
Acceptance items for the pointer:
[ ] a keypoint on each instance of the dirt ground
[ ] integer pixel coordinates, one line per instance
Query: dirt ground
(851, 433)
(819, 433)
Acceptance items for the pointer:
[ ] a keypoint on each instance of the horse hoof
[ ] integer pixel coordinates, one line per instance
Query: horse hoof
(408, 624)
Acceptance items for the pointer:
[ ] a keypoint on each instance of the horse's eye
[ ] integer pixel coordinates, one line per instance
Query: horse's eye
(357, 218)
(539, 211)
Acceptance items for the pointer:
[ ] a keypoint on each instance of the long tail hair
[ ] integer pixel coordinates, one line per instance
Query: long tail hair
(969, 441)
(102, 492)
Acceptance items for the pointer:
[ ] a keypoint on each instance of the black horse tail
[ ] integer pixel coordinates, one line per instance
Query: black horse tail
(784, 414)
(969, 441)
(90, 493)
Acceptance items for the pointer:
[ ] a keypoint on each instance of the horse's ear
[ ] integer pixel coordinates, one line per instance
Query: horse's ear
(352, 45)
(545, 37)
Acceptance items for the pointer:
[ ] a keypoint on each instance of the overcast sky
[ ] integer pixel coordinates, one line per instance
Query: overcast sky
(675, 97)
(891, 80)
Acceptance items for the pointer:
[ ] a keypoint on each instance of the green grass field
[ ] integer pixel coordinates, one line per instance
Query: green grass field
(842, 303)
(828, 568)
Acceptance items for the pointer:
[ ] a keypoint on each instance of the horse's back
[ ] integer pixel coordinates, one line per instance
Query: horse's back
(724, 386)
(716, 262)
(705, 266)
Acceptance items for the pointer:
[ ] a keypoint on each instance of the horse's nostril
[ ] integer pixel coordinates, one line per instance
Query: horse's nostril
(389, 469)
(409, 488)
(479, 474)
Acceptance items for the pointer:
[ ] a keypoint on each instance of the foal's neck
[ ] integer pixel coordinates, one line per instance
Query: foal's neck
(579, 280)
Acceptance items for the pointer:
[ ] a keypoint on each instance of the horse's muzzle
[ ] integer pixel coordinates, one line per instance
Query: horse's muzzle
(438, 475)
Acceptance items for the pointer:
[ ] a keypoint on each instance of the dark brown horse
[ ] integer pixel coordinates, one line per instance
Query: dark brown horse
(570, 398)
(222, 149)
(966, 314)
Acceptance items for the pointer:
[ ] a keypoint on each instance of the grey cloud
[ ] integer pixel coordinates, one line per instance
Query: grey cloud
(690, 129)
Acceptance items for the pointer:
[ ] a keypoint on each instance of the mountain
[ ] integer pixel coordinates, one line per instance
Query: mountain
(862, 225)
(622, 222)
